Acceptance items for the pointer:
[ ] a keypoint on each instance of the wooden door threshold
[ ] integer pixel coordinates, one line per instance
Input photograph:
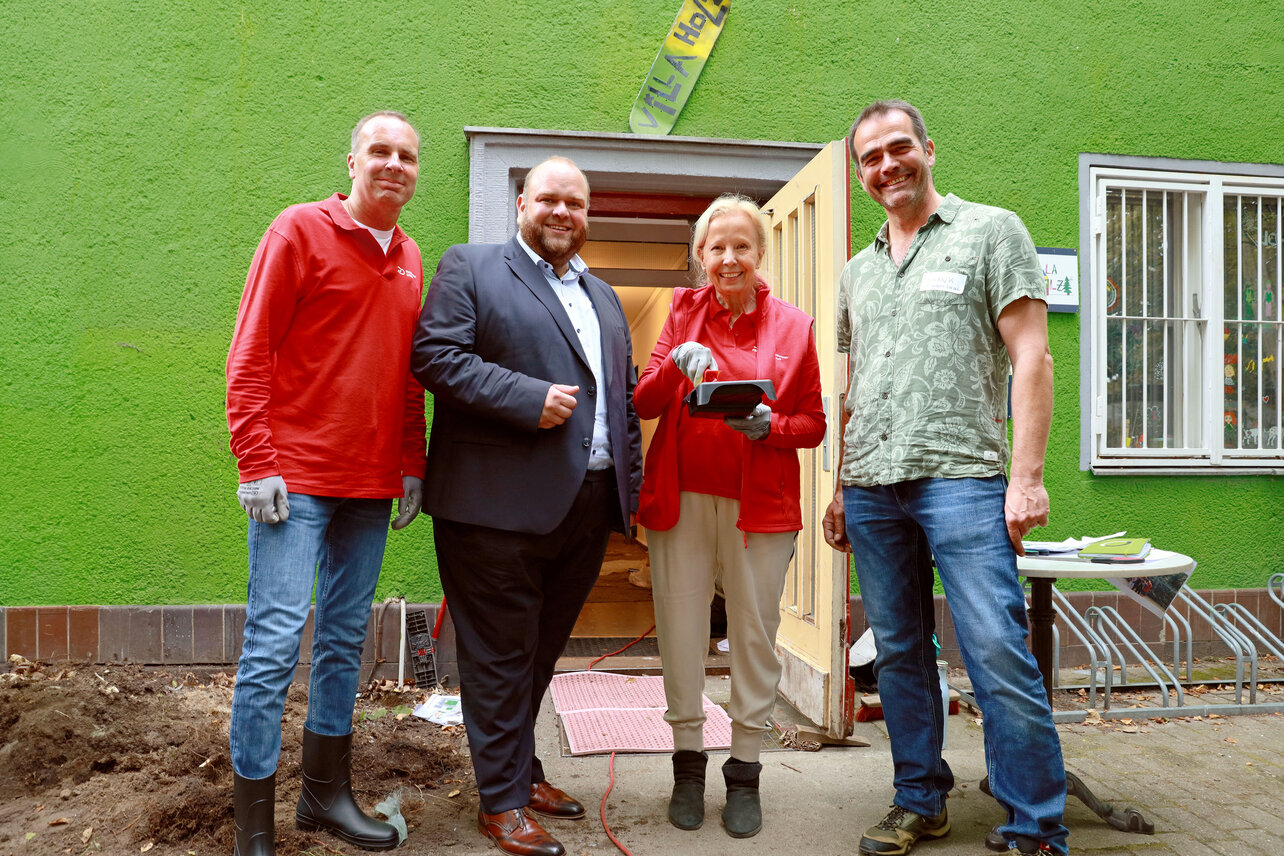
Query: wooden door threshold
(641, 658)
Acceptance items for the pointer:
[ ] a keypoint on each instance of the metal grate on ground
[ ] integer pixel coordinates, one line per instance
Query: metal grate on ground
(596, 646)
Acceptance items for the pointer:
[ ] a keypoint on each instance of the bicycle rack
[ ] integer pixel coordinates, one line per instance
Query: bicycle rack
(1248, 623)
(1110, 626)
(1275, 588)
(1239, 644)
(1087, 637)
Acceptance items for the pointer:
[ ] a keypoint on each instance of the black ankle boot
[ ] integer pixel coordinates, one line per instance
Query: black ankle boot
(254, 802)
(743, 815)
(686, 806)
(326, 801)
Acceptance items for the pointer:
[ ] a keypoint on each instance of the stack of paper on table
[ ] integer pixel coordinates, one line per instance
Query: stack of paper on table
(1066, 548)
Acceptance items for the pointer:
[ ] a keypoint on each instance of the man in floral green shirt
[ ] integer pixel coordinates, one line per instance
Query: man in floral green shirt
(931, 314)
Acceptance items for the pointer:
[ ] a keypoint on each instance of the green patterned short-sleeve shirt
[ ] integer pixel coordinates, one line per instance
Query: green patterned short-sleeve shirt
(928, 396)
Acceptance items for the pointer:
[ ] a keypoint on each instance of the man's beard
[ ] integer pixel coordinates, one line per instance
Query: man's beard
(554, 252)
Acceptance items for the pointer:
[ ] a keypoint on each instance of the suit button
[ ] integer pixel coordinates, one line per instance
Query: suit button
(592, 390)
(587, 442)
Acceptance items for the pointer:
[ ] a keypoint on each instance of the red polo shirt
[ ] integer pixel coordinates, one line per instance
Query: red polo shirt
(319, 389)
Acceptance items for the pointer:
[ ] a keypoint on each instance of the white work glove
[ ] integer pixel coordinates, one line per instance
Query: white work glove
(410, 503)
(265, 500)
(693, 360)
(755, 426)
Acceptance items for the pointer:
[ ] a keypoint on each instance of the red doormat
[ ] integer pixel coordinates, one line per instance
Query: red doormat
(606, 712)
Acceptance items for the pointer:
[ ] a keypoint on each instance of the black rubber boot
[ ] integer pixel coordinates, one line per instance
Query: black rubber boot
(326, 801)
(254, 802)
(686, 806)
(743, 815)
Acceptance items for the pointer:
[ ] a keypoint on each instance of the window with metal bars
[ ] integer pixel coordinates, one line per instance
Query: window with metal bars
(1182, 317)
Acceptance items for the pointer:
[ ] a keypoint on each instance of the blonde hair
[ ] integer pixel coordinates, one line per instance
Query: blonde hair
(726, 204)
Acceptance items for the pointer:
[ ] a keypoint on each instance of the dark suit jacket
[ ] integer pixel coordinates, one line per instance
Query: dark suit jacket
(492, 336)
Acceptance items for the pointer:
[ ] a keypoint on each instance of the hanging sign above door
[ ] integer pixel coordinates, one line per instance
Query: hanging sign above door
(677, 66)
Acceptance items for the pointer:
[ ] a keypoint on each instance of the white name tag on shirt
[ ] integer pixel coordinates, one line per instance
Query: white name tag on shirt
(943, 280)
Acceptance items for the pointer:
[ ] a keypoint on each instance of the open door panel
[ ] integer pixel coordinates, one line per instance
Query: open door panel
(806, 249)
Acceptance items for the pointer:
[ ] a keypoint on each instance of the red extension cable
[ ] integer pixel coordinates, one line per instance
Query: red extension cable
(611, 767)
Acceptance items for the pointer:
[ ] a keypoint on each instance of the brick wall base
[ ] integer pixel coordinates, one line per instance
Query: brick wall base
(183, 636)
(186, 636)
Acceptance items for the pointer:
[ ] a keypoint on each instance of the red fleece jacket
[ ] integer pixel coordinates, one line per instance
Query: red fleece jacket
(770, 489)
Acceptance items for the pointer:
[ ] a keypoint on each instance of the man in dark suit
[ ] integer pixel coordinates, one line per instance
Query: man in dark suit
(534, 456)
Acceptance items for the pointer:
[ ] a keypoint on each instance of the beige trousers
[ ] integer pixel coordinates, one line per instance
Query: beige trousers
(703, 552)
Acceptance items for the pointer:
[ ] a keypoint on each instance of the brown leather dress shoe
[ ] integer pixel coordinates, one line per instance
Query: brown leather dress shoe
(515, 832)
(554, 802)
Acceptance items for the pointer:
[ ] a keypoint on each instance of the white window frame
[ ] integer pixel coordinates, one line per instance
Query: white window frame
(1213, 180)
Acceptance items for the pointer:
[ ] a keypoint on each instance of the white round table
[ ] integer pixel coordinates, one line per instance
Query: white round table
(1042, 571)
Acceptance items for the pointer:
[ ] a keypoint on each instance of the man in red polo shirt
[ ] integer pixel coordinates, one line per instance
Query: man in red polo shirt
(328, 427)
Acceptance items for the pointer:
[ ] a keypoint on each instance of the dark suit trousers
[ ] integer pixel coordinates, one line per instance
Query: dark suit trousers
(514, 598)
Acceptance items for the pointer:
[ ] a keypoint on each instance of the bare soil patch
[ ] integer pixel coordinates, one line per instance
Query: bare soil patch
(126, 760)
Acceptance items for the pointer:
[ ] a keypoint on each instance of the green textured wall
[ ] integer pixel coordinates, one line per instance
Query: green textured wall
(146, 146)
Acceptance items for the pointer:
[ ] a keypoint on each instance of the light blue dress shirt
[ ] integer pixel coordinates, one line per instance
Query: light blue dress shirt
(579, 308)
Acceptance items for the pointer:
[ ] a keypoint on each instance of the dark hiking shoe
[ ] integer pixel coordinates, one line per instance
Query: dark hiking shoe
(1030, 847)
(1024, 845)
(901, 830)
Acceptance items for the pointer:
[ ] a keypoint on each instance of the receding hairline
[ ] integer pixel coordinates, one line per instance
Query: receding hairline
(881, 108)
(558, 160)
(390, 114)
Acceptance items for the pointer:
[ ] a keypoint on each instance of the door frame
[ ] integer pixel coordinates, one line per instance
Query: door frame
(499, 158)
(622, 163)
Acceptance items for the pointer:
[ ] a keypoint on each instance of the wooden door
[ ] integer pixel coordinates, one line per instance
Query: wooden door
(807, 247)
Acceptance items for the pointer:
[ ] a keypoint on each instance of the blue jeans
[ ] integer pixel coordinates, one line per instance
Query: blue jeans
(338, 543)
(895, 530)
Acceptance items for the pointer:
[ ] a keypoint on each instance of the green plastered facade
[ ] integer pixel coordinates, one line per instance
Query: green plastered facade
(147, 145)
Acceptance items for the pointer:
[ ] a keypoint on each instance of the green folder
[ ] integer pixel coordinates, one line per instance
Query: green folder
(1117, 550)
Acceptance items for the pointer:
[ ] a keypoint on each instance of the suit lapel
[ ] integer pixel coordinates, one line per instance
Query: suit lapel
(595, 293)
(531, 276)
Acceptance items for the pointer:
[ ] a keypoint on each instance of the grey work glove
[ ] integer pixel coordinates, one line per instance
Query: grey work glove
(410, 503)
(693, 360)
(755, 426)
(265, 500)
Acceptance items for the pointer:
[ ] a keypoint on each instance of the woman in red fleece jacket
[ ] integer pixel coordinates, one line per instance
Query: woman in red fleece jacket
(720, 498)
